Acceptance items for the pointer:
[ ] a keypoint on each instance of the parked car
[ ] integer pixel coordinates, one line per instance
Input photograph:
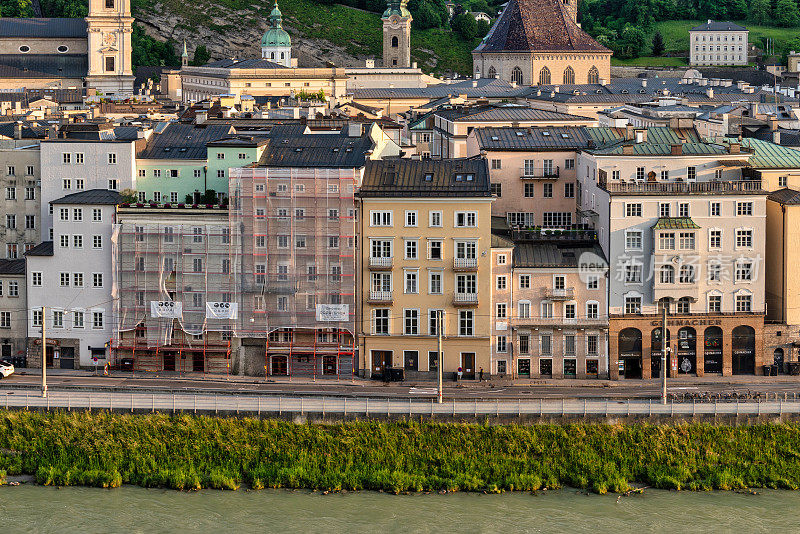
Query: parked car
(6, 369)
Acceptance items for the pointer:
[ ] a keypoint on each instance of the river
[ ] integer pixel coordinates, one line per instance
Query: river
(29, 508)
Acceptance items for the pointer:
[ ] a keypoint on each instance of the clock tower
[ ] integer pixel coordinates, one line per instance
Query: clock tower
(397, 35)
(109, 27)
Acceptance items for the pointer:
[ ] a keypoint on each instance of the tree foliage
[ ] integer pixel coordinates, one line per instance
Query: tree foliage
(201, 56)
(658, 44)
(465, 26)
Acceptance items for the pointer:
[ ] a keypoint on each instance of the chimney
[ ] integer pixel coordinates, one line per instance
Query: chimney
(710, 92)
(644, 82)
(603, 81)
(773, 124)
(734, 148)
(676, 150)
(18, 130)
(627, 150)
(776, 137)
(52, 132)
(474, 83)
(641, 136)
(354, 129)
(629, 131)
(201, 117)
(753, 109)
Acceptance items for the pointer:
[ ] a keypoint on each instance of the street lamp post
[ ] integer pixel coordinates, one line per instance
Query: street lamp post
(664, 355)
(44, 355)
(439, 352)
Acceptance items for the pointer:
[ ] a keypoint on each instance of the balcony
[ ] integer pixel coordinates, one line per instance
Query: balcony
(465, 264)
(676, 187)
(540, 173)
(380, 264)
(465, 299)
(566, 293)
(380, 297)
(555, 322)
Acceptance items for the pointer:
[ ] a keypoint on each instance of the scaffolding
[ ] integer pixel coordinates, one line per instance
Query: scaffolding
(173, 271)
(297, 288)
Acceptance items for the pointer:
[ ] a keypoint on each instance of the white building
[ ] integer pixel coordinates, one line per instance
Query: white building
(73, 165)
(72, 277)
(718, 43)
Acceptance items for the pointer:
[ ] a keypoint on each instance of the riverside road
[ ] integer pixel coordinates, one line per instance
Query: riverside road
(30, 380)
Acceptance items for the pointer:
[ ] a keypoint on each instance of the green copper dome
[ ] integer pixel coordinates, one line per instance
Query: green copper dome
(396, 7)
(276, 35)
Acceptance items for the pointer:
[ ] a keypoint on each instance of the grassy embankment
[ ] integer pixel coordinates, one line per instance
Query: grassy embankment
(188, 452)
(676, 42)
(359, 32)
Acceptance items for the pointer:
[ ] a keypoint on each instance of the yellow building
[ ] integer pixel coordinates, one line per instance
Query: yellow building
(426, 234)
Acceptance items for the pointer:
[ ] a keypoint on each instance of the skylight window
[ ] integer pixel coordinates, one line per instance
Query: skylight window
(428, 176)
(519, 134)
(546, 134)
(565, 135)
(495, 138)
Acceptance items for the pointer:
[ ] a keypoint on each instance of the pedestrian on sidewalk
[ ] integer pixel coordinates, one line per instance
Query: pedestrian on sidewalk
(480, 375)
(460, 372)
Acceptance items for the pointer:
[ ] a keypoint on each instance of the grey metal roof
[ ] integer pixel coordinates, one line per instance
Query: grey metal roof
(481, 88)
(45, 248)
(90, 196)
(183, 141)
(38, 65)
(503, 113)
(785, 196)
(320, 150)
(541, 138)
(43, 28)
(426, 178)
(718, 26)
(252, 63)
(12, 266)
(61, 96)
(549, 254)
(29, 131)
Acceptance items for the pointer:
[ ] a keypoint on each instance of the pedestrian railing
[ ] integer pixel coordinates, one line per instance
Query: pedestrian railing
(262, 404)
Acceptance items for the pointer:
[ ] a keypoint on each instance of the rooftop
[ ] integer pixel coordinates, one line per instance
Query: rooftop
(426, 178)
(786, 196)
(90, 196)
(12, 266)
(675, 223)
(45, 248)
(549, 254)
(43, 28)
(183, 141)
(504, 113)
(718, 26)
(317, 150)
(43, 65)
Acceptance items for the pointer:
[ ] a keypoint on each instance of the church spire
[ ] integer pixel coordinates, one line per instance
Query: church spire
(185, 55)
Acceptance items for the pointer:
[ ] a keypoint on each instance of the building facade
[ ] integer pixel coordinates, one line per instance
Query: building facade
(397, 35)
(20, 174)
(13, 313)
(718, 43)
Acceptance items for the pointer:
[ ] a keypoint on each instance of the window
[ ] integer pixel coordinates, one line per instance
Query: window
(782, 181)
(411, 249)
(434, 249)
(435, 282)
(516, 75)
(633, 210)
(663, 209)
(5, 319)
(592, 281)
(435, 218)
(546, 344)
(569, 190)
(64, 279)
(501, 283)
(686, 240)
(466, 219)
(66, 158)
(30, 193)
(529, 190)
(715, 239)
(411, 282)
(666, 274)
(112, 184)
(112, 159)
(691, 174)
(683, 209)
(556, 219)
(633, 240)
(97, 279)
(744, 238)
(466, 249)
(569, 348)
(633, 304)
(497, 164)
(666, 241)
(380, 321)
(591, 345)
(58, 319)
(544, 76)
(466, 322)
(381, 218)
(524, 281)
(715, 303)
(66, 183)
(640, 173)
(501, 344)
(686, 275)
(497, 190)
(36, 279)
(300, 241)
(12, 252)
(569, 311)
(569, 163)
(501, 310)
(744, 303)
(411, 218)
(546, 309)
(524, 309)
(744, 208)
(665, 175)
(156, 173)
(411, 322)
(36, 319)
(547, 190)
(333, 241)
(744, 271)
(77, 241)
(11, 222)
(13, 288)
(524, 343)
(97, 215)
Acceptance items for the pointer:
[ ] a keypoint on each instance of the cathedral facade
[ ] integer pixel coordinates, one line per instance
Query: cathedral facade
(539, 42)
(92, 53)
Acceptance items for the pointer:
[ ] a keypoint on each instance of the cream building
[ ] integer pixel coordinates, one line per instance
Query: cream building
(536, 42)
(718, 43)
(425, 229)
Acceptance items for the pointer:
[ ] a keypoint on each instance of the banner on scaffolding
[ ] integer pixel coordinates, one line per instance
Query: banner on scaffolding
(166, 309)
(222, 310)
(333, 312)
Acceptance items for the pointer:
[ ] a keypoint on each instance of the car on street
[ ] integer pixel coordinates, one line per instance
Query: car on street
(6, 369)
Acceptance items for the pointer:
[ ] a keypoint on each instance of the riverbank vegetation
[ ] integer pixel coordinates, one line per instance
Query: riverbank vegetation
(191, 452)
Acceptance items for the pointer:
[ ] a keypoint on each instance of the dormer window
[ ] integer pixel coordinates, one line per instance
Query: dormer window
(428, 176)
(109, 4)
(470, 177)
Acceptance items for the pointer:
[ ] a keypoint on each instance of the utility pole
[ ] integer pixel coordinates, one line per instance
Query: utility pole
(439, 352)
(664, 354)
(44, 354)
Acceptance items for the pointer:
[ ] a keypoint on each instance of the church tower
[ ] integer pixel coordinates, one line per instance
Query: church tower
(571, 7)
(276, 45)
(184, 56)
(109, 27)
(397, 35)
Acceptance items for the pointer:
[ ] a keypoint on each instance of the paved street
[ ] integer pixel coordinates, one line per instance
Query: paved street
(538, 389)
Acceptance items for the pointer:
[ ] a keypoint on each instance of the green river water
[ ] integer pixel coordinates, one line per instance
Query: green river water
(30, 508)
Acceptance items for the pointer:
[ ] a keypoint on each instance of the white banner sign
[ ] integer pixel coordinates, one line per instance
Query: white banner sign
(166, 309)
(333, 312)
(222, 310)
(500, 325)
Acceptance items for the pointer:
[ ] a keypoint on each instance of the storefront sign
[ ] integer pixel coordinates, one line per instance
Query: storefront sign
(333, 312)
(688, 322)
(166, 309)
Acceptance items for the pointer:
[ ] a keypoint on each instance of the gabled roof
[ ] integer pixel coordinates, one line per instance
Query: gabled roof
(546, 138)
(426, 178)
(321, 150)
(505, 113)
(12, 266)
(718, 26)
(538, 25)
(43, 28)
(785, 196)
(90, 196)
(183, 141)
(769, 155)
(45, 248)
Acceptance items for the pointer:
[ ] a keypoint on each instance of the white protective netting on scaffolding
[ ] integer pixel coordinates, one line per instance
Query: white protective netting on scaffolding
(298, 239)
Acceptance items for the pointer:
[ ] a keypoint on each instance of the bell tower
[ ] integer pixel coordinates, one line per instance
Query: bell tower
(397, 35)
(109, 26)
